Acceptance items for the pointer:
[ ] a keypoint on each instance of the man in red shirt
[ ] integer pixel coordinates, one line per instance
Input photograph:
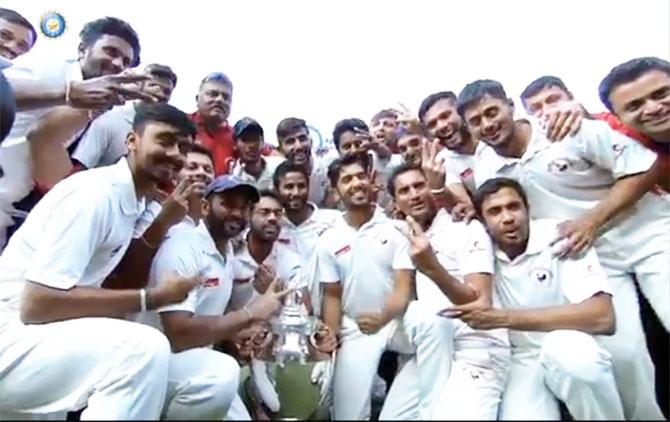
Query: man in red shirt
(214, 100)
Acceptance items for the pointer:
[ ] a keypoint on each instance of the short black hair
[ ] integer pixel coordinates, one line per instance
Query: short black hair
(348, 125)
(94, 30)
(266, 193)
(16, 18)
(290, 125)
(287, 167)
(492, 186)
(163, 113)
(387, 113)
(161, 71)
(546, 81)
(201, 149)
(335, 167)
(398, 171)
(628, 72)
(475, 91)
(430, 101)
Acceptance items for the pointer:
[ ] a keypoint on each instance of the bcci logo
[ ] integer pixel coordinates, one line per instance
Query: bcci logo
(52, 24)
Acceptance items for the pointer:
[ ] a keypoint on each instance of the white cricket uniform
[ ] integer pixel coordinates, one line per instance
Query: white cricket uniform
(364, 261)
(104, 143)
(481, 357)
(75, 237)
(281, 259)
(202, 383)
(264, 181)
(302, 239)
(566, 179)
(568, 365)
(16, 181)
(460, 168)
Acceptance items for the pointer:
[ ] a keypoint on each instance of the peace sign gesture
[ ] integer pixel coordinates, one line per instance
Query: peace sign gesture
(420, 250)
(432, 166)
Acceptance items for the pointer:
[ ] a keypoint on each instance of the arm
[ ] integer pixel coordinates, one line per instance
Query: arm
(32, 94)
(331, 307)
(42, 304)
(133, 270)
(186, 330)
(457, 292)
(51, 161)
(637, 171)
(398, 300)
(593, 316)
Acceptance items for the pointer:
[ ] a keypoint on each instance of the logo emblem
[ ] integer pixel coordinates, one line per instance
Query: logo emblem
(618, 149)
(542, 276)
(52, 24)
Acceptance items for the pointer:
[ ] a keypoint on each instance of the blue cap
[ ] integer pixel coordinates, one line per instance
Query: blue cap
(246, 124)
(229, 182)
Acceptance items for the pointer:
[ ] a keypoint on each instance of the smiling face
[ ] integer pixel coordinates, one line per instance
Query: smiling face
(15, 39)
(644, 104)
(297, 146)
(108, 55)
(228, 213)
(293, 190)
(444, 123)
(159, 150)
(491, 120)
(409, 146)
(353, 186)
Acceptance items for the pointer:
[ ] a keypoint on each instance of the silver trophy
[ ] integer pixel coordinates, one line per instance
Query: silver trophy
(290, 377)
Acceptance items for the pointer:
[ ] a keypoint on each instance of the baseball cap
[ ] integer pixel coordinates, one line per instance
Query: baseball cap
(229, 182)
(246, 124)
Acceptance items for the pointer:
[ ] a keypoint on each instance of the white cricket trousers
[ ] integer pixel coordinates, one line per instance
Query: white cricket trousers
(632, 364)
(572, 367)
(116, 369)
(420, 332)
(202, 384)
(472, 391)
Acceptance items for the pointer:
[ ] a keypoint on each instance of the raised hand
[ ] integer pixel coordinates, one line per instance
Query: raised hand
(107, 91)
(432, 166)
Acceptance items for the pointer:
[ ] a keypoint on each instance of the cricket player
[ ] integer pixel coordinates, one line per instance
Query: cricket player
(592, 180)
(63, 345)
(367, 278)
(556, 310)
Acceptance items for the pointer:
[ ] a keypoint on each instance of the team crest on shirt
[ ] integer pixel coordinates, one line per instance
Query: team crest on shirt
(476, 247)
(559, 165)
(542, 276)
(618, 149)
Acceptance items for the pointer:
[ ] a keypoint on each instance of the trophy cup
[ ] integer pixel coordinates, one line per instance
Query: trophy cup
(289, 375)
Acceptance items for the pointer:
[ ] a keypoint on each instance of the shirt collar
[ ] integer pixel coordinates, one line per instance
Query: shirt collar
(436, 226)
(130, 203)
(288, 223)
(4, 63)
(199, 121)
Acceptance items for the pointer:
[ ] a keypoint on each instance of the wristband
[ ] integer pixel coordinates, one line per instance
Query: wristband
(143, 300)
(68, 87)
(146, 242)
